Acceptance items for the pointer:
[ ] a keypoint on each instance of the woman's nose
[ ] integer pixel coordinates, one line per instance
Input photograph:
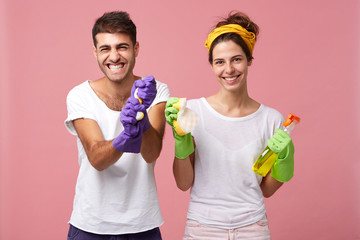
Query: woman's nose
(229, 68)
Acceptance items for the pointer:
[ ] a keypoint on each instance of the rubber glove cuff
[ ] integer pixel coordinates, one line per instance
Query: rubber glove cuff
(126, 143)
(184, 145)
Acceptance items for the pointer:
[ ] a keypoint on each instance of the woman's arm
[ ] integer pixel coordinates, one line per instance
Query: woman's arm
(183, 170)
(269, 185)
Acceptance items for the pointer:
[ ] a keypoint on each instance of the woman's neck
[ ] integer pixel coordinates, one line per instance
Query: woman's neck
(233, 104)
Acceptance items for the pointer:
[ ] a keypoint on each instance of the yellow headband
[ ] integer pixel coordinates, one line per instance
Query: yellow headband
(248, 37)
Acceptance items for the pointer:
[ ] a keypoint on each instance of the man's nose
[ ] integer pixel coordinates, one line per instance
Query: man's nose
(114, 55)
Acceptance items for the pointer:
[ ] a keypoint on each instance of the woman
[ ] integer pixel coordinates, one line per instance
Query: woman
(216, 159)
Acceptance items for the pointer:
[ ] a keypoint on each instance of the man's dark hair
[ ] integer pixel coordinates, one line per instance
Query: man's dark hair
(114, 22)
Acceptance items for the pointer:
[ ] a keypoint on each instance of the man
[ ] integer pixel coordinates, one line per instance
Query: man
(119, 123)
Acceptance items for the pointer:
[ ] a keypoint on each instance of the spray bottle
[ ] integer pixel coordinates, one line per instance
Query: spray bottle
(267, 158)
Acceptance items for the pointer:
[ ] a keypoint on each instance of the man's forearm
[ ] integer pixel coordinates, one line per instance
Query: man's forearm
(151, 145)
(102, 155)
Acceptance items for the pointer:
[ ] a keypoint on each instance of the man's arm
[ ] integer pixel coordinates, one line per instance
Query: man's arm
(152, 138)
(101, 153)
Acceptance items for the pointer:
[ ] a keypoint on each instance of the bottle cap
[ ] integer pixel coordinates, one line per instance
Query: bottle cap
(291, 118)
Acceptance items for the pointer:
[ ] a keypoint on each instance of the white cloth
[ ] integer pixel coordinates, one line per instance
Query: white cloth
(226, 192)
(122, 198)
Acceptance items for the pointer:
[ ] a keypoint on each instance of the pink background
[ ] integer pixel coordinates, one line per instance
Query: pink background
(306, 62)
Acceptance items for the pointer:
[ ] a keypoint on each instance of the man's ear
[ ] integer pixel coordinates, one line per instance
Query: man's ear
(136, 48)
(94, 52)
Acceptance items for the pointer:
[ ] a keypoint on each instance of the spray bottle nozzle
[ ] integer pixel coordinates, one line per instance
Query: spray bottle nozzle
(290, 119)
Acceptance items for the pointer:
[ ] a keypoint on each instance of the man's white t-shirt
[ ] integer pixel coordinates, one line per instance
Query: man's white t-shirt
(226, 192)
(122, 198)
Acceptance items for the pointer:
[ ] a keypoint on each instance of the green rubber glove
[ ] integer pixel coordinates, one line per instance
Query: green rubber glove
(183, 144)
(282, 145)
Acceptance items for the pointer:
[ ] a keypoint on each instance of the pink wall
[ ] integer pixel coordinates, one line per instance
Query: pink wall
(306, 62)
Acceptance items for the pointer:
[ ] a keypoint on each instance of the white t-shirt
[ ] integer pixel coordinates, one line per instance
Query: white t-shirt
(226, 192)
(122, 198)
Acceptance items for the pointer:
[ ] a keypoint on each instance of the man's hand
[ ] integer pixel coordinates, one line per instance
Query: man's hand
(130, 138)
(146, 90)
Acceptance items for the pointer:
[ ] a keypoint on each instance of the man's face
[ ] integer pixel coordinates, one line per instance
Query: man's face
(116, 55)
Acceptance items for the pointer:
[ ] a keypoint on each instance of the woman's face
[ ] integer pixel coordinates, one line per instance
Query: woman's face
(230, 65)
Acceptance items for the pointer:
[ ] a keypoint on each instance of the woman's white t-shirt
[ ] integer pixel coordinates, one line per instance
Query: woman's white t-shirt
(226, 192)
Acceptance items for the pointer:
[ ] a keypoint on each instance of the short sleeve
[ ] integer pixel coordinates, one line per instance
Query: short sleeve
(78, 107)
(274, 119)
(163, 93)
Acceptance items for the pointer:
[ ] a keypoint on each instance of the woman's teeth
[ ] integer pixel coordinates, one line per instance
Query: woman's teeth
(230, 79)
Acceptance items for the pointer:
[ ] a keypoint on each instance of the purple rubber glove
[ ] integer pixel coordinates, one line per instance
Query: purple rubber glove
(128, 116)
(146, 90)
(130, 138)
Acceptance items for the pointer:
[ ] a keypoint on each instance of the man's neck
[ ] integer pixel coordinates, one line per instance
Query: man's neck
(113, 94)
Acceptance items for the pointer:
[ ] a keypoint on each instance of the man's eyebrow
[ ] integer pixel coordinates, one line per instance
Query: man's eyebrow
(118, 45)
(123, 44)
(104, 46)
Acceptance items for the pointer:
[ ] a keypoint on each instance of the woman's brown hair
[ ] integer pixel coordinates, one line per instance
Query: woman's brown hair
(235, 18)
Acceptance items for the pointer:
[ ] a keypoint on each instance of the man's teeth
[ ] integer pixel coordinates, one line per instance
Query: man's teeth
(116, 67)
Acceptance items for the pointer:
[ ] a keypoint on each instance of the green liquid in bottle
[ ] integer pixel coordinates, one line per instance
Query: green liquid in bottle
(267, 158)
(265, 162)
